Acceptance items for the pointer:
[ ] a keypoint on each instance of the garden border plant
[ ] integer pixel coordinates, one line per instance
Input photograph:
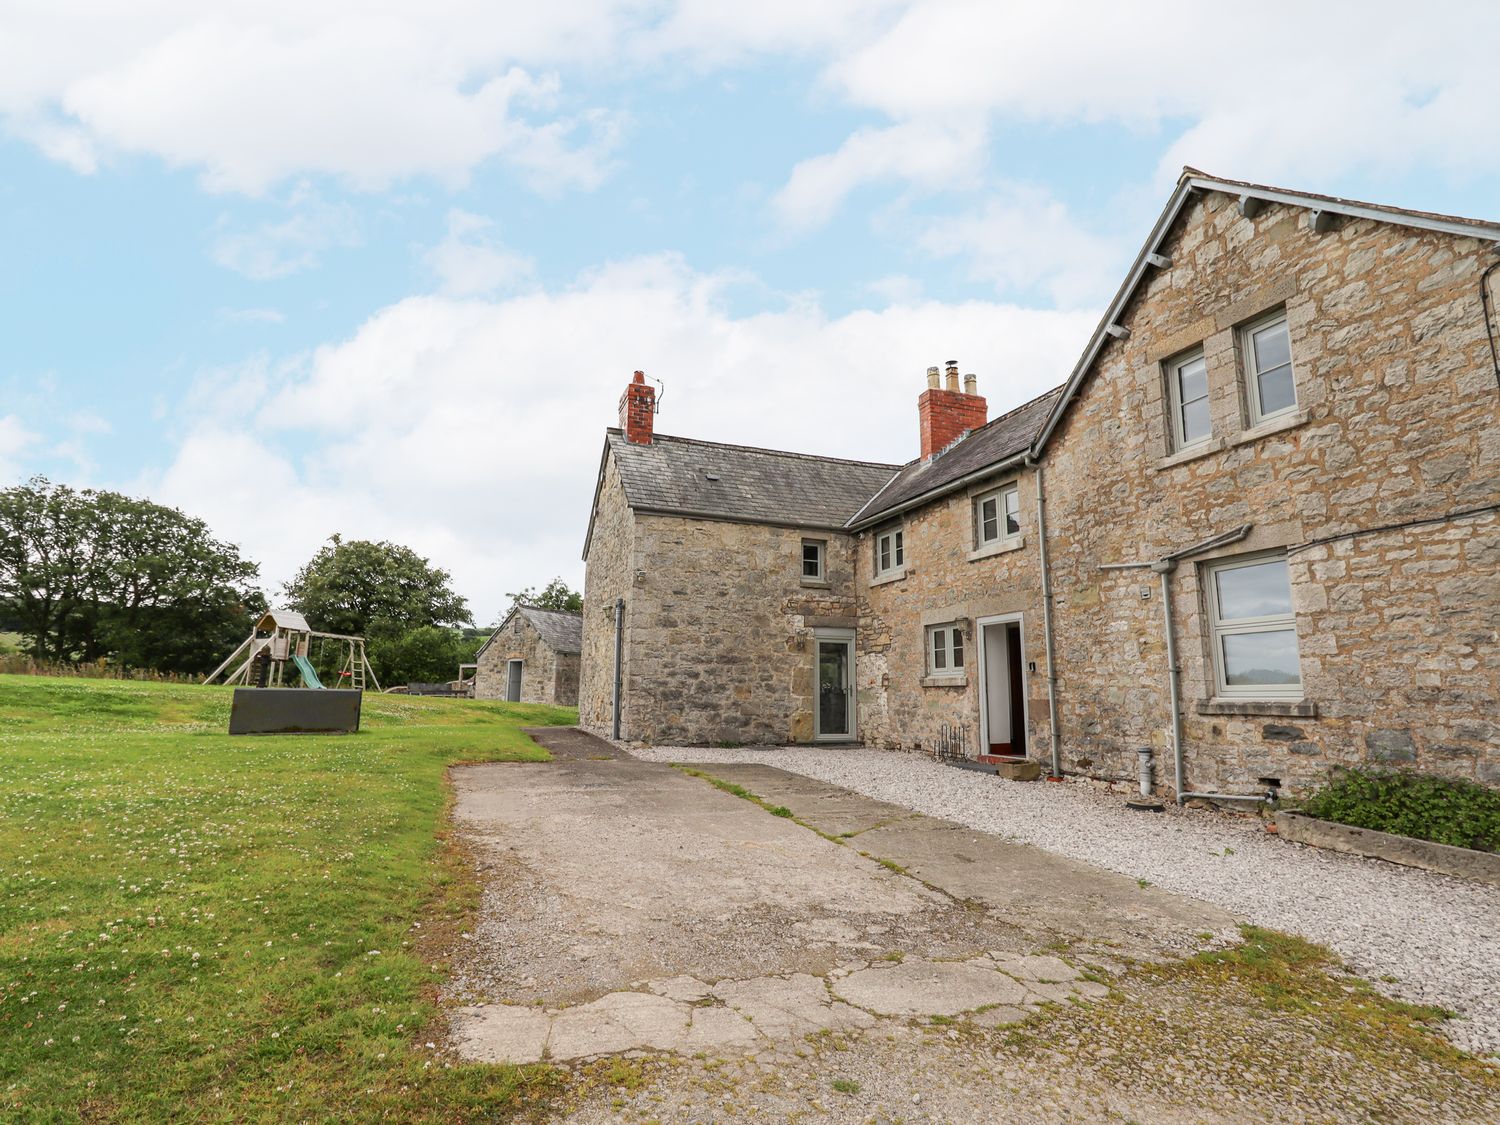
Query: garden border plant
(1451, 811)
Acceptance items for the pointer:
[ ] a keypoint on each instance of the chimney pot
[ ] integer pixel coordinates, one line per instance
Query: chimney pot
(971, 384)
(952, 375)
(934, 377)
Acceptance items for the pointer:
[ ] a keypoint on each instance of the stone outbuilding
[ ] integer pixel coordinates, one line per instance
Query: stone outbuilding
(1254, 535)
(532, 657)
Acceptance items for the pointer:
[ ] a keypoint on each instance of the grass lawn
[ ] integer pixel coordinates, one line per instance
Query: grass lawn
(199, 927)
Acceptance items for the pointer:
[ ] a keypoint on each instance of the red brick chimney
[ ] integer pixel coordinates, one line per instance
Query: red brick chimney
(638, 410)
(949, 413)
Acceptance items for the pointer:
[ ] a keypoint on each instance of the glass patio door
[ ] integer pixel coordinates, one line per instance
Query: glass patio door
(835, 689)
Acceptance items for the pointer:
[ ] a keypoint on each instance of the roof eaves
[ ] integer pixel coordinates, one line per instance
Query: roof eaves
(721, 517)
(917, 501)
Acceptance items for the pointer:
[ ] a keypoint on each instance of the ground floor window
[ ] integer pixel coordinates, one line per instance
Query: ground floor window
(1254, 631)
(945, 649)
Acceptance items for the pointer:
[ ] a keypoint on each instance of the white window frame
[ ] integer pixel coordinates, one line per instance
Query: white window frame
(1239, 626)
(1252, 374)
(1174, 398)
(945, 643)
(821, 546)
(890, 545)
(1007, 499)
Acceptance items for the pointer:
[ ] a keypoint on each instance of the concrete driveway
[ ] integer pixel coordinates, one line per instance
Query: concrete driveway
(638, 910)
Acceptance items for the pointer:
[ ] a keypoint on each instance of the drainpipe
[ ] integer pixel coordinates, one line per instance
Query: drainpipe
(1165, 569)
(1041, 544)
(619, 671)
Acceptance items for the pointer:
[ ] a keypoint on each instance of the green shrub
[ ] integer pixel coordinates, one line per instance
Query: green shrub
(1444, 811)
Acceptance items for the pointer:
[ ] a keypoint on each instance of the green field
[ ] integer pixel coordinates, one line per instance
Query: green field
(206, 928)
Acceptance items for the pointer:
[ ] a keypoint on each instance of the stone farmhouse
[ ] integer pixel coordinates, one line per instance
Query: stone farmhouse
(1256, 531)
(531, 657)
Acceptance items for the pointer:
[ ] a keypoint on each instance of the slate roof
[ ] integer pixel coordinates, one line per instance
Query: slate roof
(560, 631)
(736, 482)
(997, 440)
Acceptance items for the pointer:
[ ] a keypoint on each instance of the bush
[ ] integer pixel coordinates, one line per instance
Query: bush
(1444, 811)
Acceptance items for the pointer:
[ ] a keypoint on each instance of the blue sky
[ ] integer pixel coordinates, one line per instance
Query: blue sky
(299, 269)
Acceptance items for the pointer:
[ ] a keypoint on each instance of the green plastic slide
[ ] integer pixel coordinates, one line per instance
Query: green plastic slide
(309, 677)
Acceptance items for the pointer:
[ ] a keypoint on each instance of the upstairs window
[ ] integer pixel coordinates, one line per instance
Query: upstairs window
(1267, 350)
(890, 552)
(945, 650)
(1187, 389)
(1254, 630)
(812, 559)
(997, 516)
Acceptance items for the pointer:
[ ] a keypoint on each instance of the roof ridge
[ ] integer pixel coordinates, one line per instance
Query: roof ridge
(763, 449)
(547, 609)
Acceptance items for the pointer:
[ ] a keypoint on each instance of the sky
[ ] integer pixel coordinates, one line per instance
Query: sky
(382, 269)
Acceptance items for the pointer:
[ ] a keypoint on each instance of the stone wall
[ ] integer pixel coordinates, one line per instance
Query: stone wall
(565, 678)
(609, 574)
(517, 640)
(721, 630)
(946, 580)
(1397, 422)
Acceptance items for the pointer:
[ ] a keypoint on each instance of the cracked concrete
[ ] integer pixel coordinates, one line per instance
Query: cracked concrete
(631, 907)
(690, 1016)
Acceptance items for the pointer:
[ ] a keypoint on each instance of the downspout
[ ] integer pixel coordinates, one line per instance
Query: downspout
(1174, 685)
(1041, 543)
(1164, 567)
(619, 670)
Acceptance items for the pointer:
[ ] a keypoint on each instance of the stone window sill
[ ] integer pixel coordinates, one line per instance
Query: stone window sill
(893, 576)
(817, 583)
(1000, 547)
(1192, 453)
(1278, 708)
(945, 681)
(1277, 425)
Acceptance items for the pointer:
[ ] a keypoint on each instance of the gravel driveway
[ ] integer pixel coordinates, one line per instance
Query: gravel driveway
(1425, 938)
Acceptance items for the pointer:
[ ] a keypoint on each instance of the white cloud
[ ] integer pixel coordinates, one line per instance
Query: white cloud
(471, 260)
(15, 440)
(1290, 89)
(927, 155)
(252, 92)
(1022, 239)
(471, 429)
(296, 243)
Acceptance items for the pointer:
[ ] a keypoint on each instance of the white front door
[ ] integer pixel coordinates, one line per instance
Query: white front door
(1002, 680)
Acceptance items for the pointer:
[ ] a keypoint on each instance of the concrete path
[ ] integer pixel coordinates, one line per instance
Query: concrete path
(1047, 895)
(632, 906)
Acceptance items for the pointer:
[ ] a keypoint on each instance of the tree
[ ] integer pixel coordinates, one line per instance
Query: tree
(555, 595)
(367, 588)
(424, 655)
(89, 575)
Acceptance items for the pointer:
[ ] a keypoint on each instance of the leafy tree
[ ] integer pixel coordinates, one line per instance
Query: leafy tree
(555, 595)
(425, 655)
(365, 588)
(89, 575)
